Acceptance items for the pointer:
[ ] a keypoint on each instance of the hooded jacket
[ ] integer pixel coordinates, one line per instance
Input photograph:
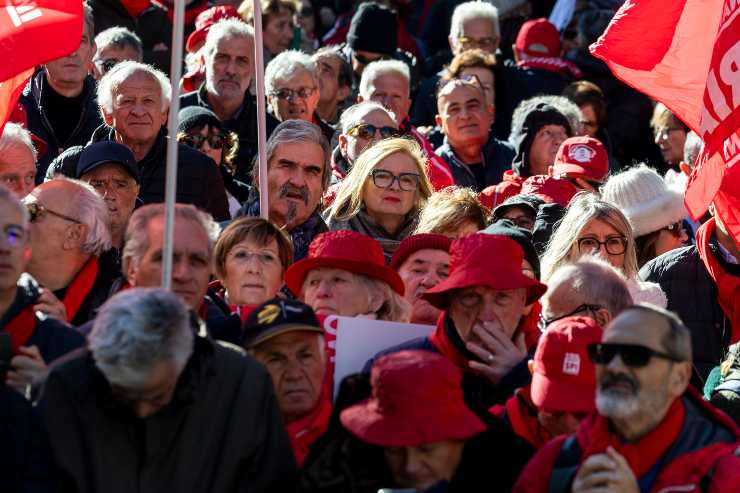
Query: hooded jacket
(497, 156)
(222, 431)
(541, 115)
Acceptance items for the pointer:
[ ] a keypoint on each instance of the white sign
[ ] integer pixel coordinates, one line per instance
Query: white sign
(359, 339)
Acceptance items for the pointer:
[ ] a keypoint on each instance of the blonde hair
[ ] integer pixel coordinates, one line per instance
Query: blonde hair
(448, 209)
(394, 308)
(584, 208)
(349, 197)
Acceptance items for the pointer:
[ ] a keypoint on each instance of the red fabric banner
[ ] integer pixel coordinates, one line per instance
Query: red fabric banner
(10, 91)
(660, 48)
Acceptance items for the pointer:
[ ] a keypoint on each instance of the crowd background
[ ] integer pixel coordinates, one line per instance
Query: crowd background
(468, 166)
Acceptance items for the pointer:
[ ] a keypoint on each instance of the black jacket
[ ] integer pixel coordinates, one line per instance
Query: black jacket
(34, 99)
(222, 431)
(199, 181)
(497, 158)
(693, 295)
(244, 124)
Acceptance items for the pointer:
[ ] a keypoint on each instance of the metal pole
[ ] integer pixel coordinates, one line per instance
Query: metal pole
(259, 82)
(178, 27)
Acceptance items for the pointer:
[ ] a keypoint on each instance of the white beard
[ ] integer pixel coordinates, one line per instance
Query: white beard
(616, 406)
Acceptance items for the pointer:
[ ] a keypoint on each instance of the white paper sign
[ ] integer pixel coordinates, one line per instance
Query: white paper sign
(359, 339)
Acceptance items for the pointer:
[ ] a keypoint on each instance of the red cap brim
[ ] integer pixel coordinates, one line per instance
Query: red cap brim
(564, 395)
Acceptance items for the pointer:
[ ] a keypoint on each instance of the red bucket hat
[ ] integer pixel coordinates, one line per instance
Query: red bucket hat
(414, 243)
(205, 20)
(583, 157)
(563, 378)
(539, 38)
(346, 250)
(417, 399)
(484, 260)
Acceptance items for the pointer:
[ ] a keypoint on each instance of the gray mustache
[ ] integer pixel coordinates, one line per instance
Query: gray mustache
(288, 188)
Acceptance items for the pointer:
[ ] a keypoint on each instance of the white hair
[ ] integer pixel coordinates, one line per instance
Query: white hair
(286, 65)
(352, 115)
(473, 10)
(90, 209)
(379, 68)
(691, 148)
(136, 330)
(121, 38)
(227, 28)
(15, 142)
(568, 108)
(108, 85)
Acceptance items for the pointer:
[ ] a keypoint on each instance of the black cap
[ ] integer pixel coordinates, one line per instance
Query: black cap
(278, 316)
(373, 28)
(197, 116)
(104, 152)
(505, 227)
(540, 115)
(529, 202)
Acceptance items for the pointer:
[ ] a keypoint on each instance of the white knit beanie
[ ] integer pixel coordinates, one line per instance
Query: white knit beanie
(643, 196)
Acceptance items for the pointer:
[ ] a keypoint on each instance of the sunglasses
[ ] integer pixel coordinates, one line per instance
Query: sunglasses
(215, 141)
(543, 322)
(367, 131)
(36, 211)
(408, 182)
(632, 355)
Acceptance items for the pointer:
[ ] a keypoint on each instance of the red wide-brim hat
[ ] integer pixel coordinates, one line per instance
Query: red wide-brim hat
(493, 261)
(346, 250)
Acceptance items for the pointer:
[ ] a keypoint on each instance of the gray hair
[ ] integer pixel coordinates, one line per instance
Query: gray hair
(286, 65)
(568, 108)
(352, 115)
(16, 141)
(9, 198)
(136, 330)
(227, 28)
(87, 12)
(379, 68)
(108, 85)
(137, 236)
(345, 69)
(473, 10)
(677, 339)
(121, 38)
(692, 148)
(291, 131)
(90, 209)
(594, 282)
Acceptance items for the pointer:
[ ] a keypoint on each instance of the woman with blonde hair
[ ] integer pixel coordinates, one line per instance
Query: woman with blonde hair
(453, 212)
(594, 227)
(383, 193)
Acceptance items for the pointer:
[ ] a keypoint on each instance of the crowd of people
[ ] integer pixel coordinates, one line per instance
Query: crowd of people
(464, 166)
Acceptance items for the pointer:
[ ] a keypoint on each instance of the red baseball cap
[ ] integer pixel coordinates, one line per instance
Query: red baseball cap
(539, 38)
(551, 190)
(582, 157)
(563, 378)
(417, 399)
(205, 20)
(346, 250)
(484, 260)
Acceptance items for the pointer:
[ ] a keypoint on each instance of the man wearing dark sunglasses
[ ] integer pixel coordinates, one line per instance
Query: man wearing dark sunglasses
(652, 432)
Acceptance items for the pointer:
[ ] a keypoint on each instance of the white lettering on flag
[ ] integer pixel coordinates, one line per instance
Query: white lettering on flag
(23, 13)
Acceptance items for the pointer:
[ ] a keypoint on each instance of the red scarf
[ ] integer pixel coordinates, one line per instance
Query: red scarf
(303, 432)
(80, 287)
(135, 7)
(21, 328)
(596, 434)
(521, 418)
(728, 285)
(552, 64)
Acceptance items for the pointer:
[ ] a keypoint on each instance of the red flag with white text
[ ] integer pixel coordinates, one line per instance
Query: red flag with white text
(686, 54)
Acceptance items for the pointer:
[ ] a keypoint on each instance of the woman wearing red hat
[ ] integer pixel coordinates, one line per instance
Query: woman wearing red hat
(345, 274)
(383, 193)
(415, 432)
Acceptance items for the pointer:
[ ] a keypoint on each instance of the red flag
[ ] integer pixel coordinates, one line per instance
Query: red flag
(10, 90)
(686, 54)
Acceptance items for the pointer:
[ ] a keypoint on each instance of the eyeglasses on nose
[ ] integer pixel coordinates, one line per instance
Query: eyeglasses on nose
(36, 211)
(633, 355)
(408, 182)
(615, 245)
(543, 322)
(367, 131)
(288, 94)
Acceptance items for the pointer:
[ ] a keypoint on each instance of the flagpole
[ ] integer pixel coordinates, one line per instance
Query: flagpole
(178, 27)
(259, 82)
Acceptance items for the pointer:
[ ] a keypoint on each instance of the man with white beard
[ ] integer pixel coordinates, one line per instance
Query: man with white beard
(651, 432)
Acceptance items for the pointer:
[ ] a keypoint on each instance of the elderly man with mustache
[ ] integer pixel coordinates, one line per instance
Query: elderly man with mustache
(298, 173)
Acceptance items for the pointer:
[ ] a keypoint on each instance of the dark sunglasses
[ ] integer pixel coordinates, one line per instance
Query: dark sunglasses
(367, 131)
(215, 141)
(632, 355)
(543, 322)
(36, 210)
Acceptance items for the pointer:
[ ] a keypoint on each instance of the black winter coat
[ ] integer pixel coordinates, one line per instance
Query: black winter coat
(222, 431)
(33, 100)
(199, 181)
(693, 295)
(497, 158)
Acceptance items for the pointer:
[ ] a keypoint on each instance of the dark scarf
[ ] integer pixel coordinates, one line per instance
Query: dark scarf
(363, 223)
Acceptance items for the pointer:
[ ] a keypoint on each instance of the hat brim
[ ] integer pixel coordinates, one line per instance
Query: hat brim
(501, 209)
(564, 395)
(195, 37)
(279, 330)
(102, 162)
(574, 169)
(366, 423)
(438, 295)
(297, 272)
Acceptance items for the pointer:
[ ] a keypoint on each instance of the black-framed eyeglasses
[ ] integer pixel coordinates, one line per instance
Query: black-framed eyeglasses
(13, 235)
(367, 131)
(36, 211)
(615, 245)
(408, 182)
(288, 94)
(215, 141)
(633, 355)
(543, 322)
